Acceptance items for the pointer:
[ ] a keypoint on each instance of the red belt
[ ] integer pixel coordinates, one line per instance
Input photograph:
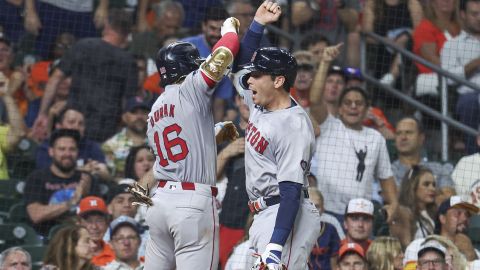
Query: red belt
(187, 186)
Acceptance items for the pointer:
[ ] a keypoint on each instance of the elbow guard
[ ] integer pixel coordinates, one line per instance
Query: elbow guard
(217, 63)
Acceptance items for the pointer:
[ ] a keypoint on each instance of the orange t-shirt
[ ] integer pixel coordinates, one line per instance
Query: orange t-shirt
(152, 84)
(38, 78)
(427, 32)
(378, 113)
(106, 256)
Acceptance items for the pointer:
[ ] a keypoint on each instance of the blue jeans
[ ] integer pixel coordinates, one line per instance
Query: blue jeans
(468, 111)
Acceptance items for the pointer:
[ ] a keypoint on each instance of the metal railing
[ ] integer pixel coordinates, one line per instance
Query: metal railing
(443, 115)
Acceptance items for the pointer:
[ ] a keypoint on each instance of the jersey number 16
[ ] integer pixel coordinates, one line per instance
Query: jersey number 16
(169, 144)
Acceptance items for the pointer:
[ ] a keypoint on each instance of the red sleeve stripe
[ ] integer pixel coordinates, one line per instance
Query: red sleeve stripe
(229, 40)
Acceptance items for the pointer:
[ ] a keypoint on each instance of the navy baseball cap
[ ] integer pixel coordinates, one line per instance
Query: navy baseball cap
(116, 190)
(124, 221)
(135, 103)
(336, 70)
(453, 202)
(353, 73)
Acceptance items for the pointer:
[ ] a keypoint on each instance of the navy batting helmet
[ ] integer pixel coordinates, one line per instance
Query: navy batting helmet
(274, 61)
(176, 61)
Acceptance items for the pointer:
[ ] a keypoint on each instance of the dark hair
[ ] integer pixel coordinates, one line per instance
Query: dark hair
(408, 192)
(60, 133)
(130, 161)
(419, 123)
(312, 38)
(215, 13)
(120, 21)
(463, 4)
(61, 115)
(357, 89)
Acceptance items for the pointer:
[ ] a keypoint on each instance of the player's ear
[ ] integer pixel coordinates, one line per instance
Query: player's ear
(279, 81)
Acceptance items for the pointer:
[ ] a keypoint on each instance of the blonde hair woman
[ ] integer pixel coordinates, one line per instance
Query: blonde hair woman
(385, 253)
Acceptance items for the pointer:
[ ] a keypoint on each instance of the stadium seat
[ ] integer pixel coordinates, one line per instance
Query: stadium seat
(474, 230)
(37, 252)
(54, 230)
(18, 213)
(14, 234)
(9, 194)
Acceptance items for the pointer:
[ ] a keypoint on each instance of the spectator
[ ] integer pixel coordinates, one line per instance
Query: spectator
(70, 248)
(460, 56)
(14, 78)
(358, 154)
(89, 151)
(452, 223)
(393, 20)
(432, 256)
(243, 11)
(116, 148)
(231, 164)
(325, 251)
(90, 62)
(417, 193)
(409, 141)
(12, 130)
(337, 20)
(466, 176)
(169, 17)
(15, 258)
(439, 25)
(48, 20)
(120, 202)
(59, 100)
(375, 119)
(334, 85)
(125, 241)
(204, 42)
(453, 257)
(38, 73)
(51, 194)
(304, 80)
(139, 161)
(93, 215)
(358, 222)
(385, 253)
(315, 43)
(351, 256)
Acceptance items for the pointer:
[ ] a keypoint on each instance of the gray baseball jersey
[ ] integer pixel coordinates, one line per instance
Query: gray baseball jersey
(181, 132)
(279, 147)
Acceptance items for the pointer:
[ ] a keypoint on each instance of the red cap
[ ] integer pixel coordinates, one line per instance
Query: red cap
(92, 204)
(351, 247)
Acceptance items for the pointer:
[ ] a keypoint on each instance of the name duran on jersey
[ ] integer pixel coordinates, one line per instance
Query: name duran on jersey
(256, 140)
(168, 110)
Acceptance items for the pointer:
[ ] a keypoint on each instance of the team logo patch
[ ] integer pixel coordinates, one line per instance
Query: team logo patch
(162, 70)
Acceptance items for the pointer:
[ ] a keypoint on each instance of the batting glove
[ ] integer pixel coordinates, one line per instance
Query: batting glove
(225, 131)
(230, 25)
(270, 259)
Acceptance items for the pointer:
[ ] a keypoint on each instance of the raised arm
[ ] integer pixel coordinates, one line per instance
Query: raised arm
(15, 120)
(318, 108)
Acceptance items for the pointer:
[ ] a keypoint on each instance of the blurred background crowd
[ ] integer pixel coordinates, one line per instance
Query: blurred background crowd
(396, 188)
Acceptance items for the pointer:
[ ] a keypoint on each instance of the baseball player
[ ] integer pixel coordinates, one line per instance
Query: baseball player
(183, 220)
(279, 145)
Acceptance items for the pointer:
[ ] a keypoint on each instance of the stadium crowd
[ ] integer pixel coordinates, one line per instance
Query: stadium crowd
(78, 78)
